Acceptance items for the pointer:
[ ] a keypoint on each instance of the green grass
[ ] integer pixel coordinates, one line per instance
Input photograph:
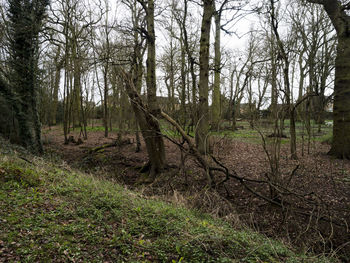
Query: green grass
(326, 138)
(53, 214)
(100, 128)
(250, 135)
(89, 128)
(246, 134)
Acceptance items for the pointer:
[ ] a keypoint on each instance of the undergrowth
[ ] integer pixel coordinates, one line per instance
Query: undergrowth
(50, 213)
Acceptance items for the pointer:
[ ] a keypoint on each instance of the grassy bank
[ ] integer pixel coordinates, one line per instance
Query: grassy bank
(49, 212)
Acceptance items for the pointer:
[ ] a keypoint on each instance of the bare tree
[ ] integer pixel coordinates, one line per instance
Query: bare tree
(283, 52)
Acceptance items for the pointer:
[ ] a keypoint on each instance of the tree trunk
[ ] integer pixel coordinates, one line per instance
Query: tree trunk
(149, 125)
(105, 100)
(34, 105)
(56, 87)
(191, 62)
(152, 134)
(274, 92)
(183, 85)
(25, 21)
(76, 114)
(217, 75)
(149, 128)
(341, 111)
(292, 131)
(234, 109)
(202, 130)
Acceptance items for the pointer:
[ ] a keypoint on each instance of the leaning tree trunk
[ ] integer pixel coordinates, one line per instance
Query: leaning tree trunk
(150, 129)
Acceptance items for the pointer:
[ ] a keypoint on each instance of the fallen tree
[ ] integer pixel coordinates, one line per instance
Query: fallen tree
(212, 166)
(116, 143)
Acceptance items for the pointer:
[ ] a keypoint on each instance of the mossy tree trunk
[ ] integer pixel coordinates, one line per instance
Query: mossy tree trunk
(202, 130)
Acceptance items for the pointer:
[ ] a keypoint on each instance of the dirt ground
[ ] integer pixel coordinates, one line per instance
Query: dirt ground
(314, 210)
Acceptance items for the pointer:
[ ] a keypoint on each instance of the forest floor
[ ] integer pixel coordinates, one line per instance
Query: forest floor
(314, 210)
(50, 212)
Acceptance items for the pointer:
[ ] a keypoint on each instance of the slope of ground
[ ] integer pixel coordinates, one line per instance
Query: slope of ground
(48, 212)
(315, 212)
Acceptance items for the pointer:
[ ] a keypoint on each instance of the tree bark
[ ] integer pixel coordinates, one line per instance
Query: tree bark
(56, 86)
(217, 75)
(341, 111)
(149, 125)
(149, 128)
(202, 129)
(183, 84)
(25, 21)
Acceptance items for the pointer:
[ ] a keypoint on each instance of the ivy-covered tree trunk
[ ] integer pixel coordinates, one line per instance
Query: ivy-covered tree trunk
(25, 25)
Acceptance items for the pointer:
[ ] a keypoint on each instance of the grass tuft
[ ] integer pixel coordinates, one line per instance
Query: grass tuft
(10, 172)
